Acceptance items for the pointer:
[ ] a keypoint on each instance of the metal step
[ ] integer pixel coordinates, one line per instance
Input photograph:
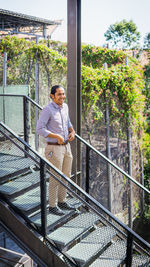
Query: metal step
(29, 200)
(140, 261)
(92, 245)
(52, 219)
(13, 165)
(73, 229)
(113, 256)
(21, 184)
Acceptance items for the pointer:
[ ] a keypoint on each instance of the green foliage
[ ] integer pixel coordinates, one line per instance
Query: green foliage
(120, 85)
(60, 47)
(22, 55)
(13, 46)
(95, 57)
(123, 34)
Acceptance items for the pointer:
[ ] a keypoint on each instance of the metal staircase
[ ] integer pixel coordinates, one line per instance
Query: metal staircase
(89, 235)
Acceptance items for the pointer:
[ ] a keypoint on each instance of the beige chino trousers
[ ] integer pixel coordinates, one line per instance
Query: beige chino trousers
(61, 157)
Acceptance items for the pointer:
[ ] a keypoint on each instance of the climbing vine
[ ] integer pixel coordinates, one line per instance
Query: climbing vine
(119, 85)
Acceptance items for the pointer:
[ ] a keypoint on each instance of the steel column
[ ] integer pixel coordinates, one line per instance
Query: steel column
(72, 72)
(79, 93)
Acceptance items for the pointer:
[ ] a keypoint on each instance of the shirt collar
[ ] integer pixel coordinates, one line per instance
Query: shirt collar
(57, 106)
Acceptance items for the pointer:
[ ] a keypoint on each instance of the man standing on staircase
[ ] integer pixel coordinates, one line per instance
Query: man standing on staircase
(55, 126)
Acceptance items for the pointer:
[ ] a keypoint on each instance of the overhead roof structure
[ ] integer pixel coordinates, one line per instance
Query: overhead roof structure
(17, 23)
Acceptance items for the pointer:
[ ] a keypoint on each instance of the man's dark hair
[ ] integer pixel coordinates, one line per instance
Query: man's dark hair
(54, 88)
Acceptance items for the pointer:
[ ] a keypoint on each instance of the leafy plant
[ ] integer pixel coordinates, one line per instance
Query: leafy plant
(123, 34)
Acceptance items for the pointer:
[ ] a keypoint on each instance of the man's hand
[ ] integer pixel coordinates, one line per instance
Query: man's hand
(60, 139)
(71, 135)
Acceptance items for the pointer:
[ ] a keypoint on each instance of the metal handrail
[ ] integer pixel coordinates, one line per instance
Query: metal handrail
(80, 194)
(91, 147)
(73, 184)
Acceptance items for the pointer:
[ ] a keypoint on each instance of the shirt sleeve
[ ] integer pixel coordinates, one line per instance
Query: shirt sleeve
(41, 127)
(69, 123)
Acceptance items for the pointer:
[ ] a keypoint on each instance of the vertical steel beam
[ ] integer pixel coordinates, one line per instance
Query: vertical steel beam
(74, 76)
(72, 71)
(79, 93)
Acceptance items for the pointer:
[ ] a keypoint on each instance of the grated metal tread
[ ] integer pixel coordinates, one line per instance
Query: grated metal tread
(112, 256)
(106, 263)
(10, 165)
(90, 246)
(73, 229)
(53, 219)
(29, 200)
(140, 261)
(23, 182)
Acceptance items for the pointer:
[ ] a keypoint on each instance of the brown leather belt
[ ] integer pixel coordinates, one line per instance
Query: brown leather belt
(50, 143)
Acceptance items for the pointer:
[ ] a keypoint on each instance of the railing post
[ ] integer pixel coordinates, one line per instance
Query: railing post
(129, 250)
(87, 169)
(26, 120)
(130, 173)
(43, 197)
(129, 166)
(108, 151)
(37, 70)
(142, 181)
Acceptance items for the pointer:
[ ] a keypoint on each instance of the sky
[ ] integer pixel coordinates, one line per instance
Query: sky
(96, 15)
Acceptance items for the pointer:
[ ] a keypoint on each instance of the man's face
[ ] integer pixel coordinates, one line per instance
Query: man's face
(59, 96)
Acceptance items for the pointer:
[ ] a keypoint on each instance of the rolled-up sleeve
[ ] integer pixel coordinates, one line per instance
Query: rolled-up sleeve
(41, 127)
(69, 123)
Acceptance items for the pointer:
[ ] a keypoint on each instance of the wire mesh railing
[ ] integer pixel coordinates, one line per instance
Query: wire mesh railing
(85, 234)
(111, 186)
(101, 178)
